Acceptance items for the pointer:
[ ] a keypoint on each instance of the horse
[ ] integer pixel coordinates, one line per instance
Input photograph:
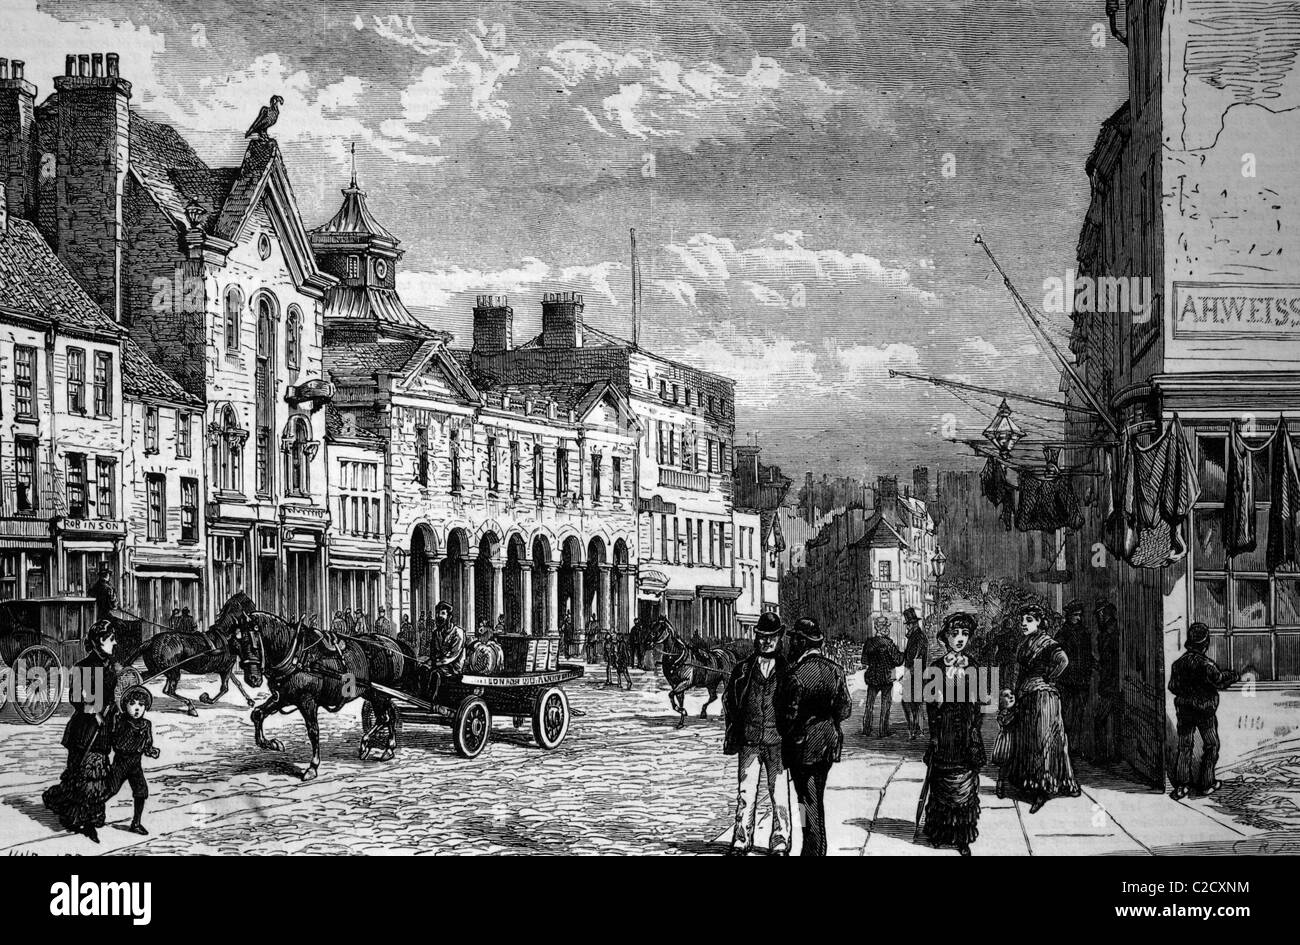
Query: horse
(616, 660)
(304, 672)
(687, 667)
(173, 652)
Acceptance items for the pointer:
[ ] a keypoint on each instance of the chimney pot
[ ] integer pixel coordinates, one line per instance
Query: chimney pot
(4, 68)
(111, 60)
(16, 68)
(97, 65)
(70, 65)
(83, 65)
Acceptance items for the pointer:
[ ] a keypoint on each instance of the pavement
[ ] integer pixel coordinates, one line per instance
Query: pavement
(872, 797)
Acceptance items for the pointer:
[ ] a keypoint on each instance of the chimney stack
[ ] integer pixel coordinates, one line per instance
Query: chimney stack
(562, 320)
(493, 325)
(92, 155)
(17, 139)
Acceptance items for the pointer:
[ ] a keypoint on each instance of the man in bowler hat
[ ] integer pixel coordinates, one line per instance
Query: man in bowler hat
(880, 657)
(916, 657)
(812, 699)
(1195, 681)
(749, 704)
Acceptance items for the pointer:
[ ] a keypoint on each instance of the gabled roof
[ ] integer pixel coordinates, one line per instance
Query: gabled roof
(35, 283)
(356, 360)
(434, 351)
(141, 377)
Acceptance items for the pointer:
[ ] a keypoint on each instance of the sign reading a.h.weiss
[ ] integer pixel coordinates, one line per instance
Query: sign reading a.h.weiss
(1226, 310)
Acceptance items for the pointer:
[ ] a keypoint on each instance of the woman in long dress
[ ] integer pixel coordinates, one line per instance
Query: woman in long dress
(79, 797)
(1039, 767)
(956, 751)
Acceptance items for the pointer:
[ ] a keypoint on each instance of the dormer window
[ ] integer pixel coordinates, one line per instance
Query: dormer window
(354, 267)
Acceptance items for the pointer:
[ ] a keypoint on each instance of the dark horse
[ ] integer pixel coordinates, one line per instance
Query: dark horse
(304, 673)
(688, 666)
(173, 652)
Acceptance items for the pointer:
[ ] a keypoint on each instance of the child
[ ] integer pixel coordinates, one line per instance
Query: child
(956, 751)
(132, 738)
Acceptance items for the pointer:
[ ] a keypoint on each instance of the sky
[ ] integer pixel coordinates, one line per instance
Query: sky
(806, 179)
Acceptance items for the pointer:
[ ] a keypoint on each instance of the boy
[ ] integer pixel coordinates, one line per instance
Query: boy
(133, 738)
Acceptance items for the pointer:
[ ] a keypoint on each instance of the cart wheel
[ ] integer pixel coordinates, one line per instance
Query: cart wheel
(36, 704)
(551, 717)
(473, 725)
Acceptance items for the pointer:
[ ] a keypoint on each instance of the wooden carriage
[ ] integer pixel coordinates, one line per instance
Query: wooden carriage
(39, 638)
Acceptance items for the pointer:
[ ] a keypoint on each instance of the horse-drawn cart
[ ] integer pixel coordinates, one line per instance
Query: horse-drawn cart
(469, 702)
(38, 638)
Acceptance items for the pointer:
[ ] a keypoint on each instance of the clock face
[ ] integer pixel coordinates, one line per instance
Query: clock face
(381, 268)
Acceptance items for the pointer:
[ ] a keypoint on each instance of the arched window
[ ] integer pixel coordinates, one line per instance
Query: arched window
(228, 451)
(293, 338)
(264, 382)
(299, 451)
(234, 312)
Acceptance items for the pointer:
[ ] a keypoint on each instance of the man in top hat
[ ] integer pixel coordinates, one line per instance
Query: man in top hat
(1195, 681)
(384, 626)
(880, 657)
(749, 707)
(916, 657)
(812, 699)
(105, 594)
(1076, 683)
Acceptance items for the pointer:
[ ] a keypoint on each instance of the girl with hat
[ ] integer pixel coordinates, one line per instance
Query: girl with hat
(78, 799)
(956, 751)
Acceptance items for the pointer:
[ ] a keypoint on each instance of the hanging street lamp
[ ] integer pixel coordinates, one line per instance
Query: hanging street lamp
(1003, 432)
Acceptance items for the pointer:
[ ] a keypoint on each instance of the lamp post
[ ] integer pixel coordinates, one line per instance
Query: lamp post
(938, 562)
(399, 560)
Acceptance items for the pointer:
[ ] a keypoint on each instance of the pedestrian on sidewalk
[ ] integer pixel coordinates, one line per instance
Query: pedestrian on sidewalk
(1195, 681)
(956, 752)
(1110, 685)
(133, 740)
(749, 707)
(1076, 683)
(880, 657)
(916, 653)
(1039, 766)
(812, 700)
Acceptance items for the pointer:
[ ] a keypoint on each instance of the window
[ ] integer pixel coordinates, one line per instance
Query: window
(263, 459)
(596, 464)
(299, 451)
(103, 384)
(234, 314)
(354, 267)
(885, 569)
(562, 471)
(76, 485)
(663, 536)
(184, 441)
(616, 482)
(228, 566)
(514, 467)
(494, 479)
(713, 530)
(228, 452)
(265, 393)
(76, 380)
(156, 489)
(699, 540)
(690, 541)
(453, 450)
(677, 539)
(105, 491)
(25, 380)
(422, 459)
(1253, 613)
(688, 451)
(359, 509)
(293, 338)
(663, 441)
(189, 510)
(672, 446)
(151, 429)
(28, 498)
(539, 476)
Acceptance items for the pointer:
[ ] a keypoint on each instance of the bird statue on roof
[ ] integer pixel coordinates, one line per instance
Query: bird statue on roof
(267, 117)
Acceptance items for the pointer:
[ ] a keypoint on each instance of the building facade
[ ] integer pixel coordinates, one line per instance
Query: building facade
(1192, 200)
(511, 499)
(211, 273)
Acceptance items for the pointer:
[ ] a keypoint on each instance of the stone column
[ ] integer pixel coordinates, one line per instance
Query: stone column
(526, 597)
(603, 593)
(498, 592)
(552, 598)
(579, 608)
(467, 596)
(432, 584)
(629, 597)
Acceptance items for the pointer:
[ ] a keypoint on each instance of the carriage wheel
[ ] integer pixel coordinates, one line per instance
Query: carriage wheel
(470, 730)
(551, 717)
(36, 704)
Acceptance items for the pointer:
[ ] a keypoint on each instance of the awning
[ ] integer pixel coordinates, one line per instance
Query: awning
(350, 564)
(717, 592)
(26, 544)
(651, 580)
(657, 506)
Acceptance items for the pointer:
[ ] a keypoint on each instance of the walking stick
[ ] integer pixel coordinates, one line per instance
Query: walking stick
(920, 805)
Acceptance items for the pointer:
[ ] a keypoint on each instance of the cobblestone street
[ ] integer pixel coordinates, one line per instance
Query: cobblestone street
(624, 781)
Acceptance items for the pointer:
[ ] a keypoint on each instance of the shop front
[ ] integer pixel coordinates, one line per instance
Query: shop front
(83, 548)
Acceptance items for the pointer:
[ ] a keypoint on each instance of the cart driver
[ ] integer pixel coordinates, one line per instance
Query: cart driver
(447, 648)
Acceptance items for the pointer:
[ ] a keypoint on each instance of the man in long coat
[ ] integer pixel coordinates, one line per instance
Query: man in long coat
(916, 657)
(880, 657)
(749, 707)
(812, 699)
